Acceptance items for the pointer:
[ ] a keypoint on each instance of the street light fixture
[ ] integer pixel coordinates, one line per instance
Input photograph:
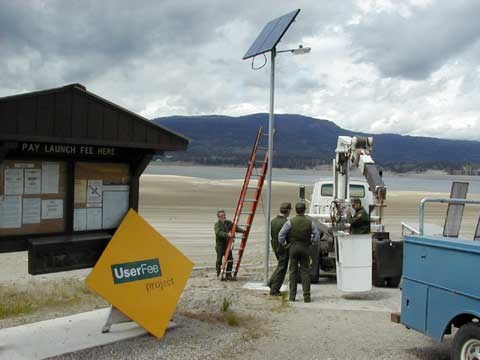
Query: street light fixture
(267, 41)
(298, 51)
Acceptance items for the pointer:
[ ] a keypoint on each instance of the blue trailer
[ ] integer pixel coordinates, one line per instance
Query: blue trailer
(441, 289)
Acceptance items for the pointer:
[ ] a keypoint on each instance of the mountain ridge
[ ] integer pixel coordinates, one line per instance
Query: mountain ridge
(302, 141)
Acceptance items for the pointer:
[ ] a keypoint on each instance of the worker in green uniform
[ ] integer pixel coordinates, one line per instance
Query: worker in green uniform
(281, 253)
(360, 222)
(222, 228)
(299, 233)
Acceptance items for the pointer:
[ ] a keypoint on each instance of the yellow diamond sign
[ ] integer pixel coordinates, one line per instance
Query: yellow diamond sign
(141, 274)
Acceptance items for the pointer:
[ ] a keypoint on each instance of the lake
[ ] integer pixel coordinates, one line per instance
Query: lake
(396, 182)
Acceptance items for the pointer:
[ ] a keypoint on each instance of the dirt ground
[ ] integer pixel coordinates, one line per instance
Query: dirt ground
(332, 327)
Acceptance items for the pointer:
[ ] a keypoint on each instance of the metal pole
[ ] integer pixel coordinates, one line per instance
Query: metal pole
(269, 168)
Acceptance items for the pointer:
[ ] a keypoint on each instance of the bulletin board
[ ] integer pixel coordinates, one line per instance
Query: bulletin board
(32, 197)
(101, 195)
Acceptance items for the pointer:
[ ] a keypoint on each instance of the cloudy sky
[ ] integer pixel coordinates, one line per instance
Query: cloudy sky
(408, 67)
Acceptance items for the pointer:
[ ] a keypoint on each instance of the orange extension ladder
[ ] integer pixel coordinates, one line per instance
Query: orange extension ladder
(256, 170)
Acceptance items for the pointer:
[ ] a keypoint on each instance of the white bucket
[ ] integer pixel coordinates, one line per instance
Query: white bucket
(354, 262)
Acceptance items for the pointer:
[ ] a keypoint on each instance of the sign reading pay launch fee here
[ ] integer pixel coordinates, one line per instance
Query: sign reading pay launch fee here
(141, 274)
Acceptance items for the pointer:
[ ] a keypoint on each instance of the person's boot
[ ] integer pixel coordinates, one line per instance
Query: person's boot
(307, 299)
(291, 297)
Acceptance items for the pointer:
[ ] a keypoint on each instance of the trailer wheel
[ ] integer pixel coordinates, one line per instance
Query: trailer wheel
(394, 281)
(466, 344)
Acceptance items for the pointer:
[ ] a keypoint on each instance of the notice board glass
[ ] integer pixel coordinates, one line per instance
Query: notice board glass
(101, 195)
(32, 197)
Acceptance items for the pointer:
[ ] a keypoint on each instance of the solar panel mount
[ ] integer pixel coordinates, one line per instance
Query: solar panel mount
(271, 35)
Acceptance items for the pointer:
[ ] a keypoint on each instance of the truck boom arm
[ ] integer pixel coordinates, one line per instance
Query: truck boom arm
(356, 152)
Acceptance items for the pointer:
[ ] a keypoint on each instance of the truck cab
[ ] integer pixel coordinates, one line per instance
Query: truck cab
(322, 195)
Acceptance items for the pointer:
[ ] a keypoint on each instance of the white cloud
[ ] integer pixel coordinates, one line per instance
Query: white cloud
(376, 65)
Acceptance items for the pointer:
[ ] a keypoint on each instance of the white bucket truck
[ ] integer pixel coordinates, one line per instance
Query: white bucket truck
(347, 255)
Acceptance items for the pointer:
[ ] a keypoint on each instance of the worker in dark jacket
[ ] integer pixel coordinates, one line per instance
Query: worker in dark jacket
(222, 228)
(280, 251)
(300, 232)
(360, 222)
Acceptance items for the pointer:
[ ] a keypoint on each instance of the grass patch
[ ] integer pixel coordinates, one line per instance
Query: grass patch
(284, 302)
(227, 316)
(203, 316)
(231, 318)
(13, 305)
(225, 304)
(17, 300)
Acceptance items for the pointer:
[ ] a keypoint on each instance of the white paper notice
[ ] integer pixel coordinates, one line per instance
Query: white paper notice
(94, 191)
(11, 212)
(33, 181)
(79, 219)
(115, 206)
(52, 209)
(50, 177)
(32, 209)
(94, 218)
(13, 181)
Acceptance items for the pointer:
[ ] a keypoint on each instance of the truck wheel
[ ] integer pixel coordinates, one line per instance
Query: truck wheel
(466, 344)
(394, 281)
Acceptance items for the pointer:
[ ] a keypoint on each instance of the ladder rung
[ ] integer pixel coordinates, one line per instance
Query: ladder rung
(252, 187)
(250, 200)
(262, 147)
(246, 212)
(242, 226)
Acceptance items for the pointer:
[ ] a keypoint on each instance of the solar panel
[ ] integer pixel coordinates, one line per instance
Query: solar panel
(271, 34)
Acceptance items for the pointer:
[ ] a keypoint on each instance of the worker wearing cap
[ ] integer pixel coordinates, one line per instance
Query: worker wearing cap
(300, 232)
(222, 228)
(281, 253)
(360, 222)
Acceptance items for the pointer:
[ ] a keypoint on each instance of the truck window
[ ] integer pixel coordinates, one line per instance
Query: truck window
(327, 190)
(357, 191)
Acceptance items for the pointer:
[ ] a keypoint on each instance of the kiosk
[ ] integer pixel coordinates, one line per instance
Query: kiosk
(70, 163)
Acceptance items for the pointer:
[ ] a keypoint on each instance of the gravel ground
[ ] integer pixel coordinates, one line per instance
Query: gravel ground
(272, 328)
